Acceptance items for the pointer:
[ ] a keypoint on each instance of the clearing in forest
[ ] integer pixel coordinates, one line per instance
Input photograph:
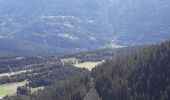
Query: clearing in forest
(88, 65)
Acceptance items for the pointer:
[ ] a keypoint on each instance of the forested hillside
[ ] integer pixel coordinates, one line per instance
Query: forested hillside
(140, 75)
(39, 72)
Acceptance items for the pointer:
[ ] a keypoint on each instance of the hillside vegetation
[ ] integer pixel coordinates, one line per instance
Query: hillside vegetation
(140, 75)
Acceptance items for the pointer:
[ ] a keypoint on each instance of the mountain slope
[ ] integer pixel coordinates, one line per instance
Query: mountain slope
(83, 24)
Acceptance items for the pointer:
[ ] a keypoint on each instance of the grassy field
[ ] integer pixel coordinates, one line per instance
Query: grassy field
(34, 90)
(88, 65)
(8, 89)
(6, 92)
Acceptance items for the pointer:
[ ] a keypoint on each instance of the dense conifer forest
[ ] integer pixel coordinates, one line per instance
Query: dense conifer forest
(141, 75)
